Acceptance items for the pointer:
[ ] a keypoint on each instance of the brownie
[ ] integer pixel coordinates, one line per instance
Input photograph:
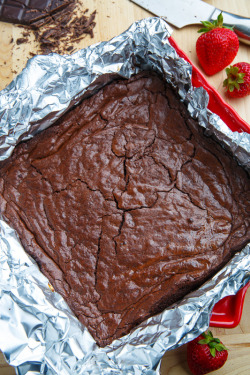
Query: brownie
(125, 204)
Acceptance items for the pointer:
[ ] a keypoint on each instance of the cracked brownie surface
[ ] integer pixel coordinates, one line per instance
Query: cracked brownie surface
(125, 205)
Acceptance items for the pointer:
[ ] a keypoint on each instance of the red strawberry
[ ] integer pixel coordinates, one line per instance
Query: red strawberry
(237, 82)
(205, 354)
(217, 47)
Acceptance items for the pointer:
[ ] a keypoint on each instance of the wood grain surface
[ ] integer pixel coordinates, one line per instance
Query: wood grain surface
(113, 17)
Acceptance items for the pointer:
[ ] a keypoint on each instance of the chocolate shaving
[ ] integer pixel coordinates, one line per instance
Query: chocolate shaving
(64, 28)
(57, 31)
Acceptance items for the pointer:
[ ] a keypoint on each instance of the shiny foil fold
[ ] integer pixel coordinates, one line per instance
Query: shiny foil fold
(39, 334)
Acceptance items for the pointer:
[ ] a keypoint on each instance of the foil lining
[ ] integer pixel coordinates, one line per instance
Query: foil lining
(39, 334)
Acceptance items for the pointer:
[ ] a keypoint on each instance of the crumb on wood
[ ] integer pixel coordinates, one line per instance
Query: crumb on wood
(58, 32)
(21, 41)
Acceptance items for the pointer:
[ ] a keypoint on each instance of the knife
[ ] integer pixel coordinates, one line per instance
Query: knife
(181, 13)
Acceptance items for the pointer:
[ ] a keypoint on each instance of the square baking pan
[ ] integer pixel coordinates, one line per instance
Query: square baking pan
(131, 355)
(227, 312)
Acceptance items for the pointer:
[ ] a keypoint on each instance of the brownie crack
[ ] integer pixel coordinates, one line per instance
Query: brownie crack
(125, 204)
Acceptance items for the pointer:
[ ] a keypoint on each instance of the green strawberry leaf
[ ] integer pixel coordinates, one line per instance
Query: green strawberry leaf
(207, 23)
(220, 347)
(210, 333)
(234, 78)
(203, 30)
(208, 26)
(204, 341)
(231, 88)
(213, 352)
(220, 20)
(212, 344)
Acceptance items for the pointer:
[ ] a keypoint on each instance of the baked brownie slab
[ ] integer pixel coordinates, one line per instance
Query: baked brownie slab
(125, 205)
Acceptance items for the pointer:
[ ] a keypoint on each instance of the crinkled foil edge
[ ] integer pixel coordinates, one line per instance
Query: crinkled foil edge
(39, 334)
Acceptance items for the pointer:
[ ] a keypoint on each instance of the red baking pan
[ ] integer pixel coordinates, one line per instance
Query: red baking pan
(227, 312)
(216, 103)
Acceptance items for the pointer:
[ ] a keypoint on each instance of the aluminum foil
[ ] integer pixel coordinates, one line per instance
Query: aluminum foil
(39, 333)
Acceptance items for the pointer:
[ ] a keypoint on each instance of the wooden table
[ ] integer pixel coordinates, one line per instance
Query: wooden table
(113, 17)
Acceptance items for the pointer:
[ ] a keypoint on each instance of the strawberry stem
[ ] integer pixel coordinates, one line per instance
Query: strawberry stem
(214, 343)
(208, 26)
(234, 78)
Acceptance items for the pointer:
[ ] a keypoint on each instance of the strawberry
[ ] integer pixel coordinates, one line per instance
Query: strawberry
(205, 354)
(217, 47)
(237, 82)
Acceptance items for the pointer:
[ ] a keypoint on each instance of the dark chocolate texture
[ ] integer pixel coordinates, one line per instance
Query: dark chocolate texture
(125, 205)
(28, 12)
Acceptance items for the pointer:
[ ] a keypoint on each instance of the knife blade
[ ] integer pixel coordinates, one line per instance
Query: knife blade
(181, 13)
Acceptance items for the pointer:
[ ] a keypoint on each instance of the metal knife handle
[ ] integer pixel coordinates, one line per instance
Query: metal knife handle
(240, 24)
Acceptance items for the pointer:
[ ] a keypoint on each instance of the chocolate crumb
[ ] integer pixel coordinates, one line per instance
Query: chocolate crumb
(25, 34)
(21, 41)
(68, 26)
(58, 31)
